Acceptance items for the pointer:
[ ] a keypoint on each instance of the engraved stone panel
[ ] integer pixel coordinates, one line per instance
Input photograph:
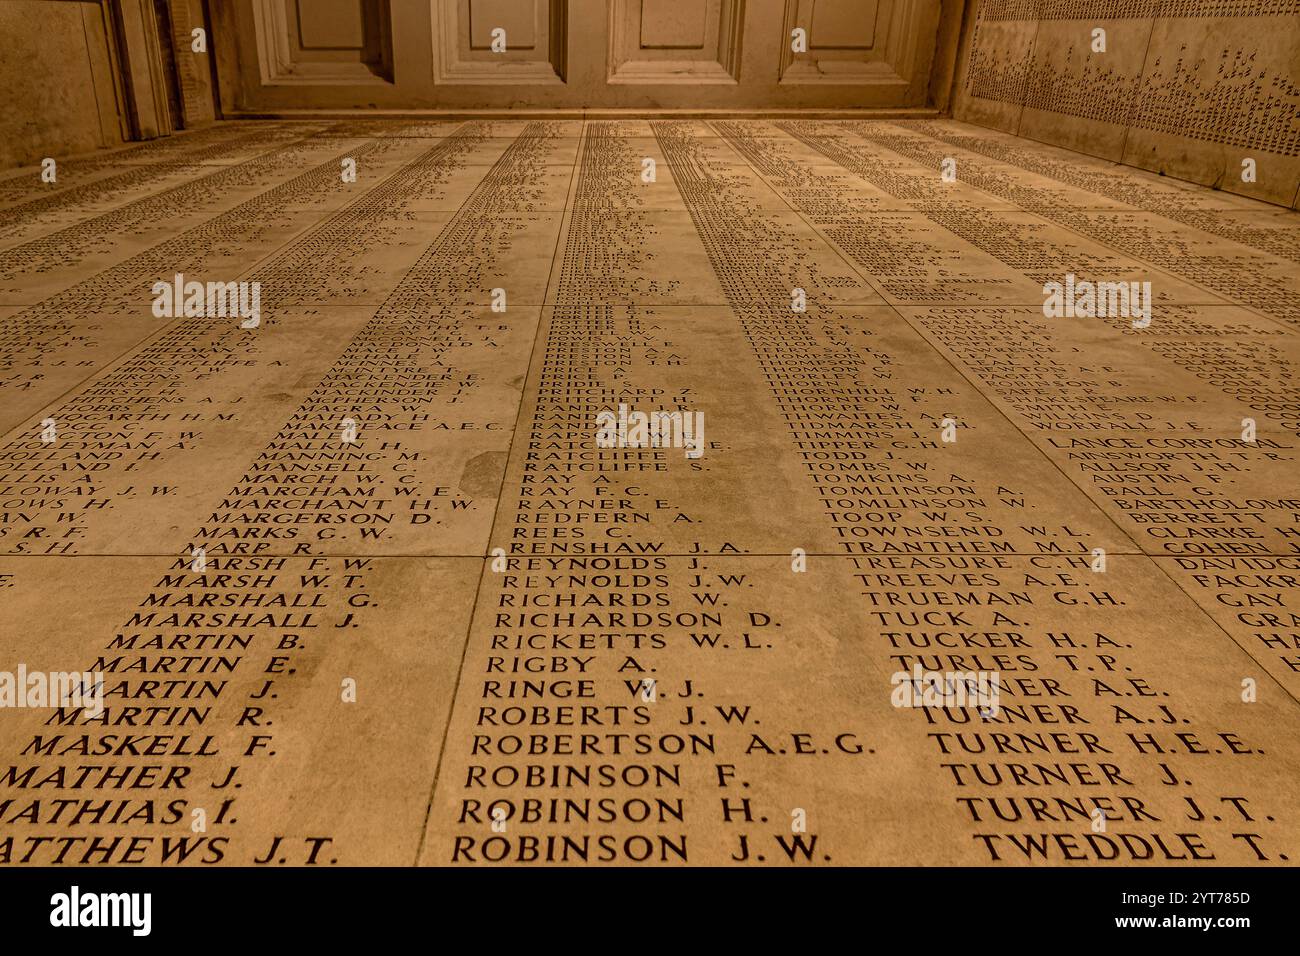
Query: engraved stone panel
(909, 570)
(1188, 89)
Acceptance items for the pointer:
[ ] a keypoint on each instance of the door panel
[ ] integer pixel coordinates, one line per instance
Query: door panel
(276, 55)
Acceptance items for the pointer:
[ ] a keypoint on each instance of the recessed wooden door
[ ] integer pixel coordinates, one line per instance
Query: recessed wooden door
(276, 55)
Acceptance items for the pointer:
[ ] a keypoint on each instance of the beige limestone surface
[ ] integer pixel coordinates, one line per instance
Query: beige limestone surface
(363, 584)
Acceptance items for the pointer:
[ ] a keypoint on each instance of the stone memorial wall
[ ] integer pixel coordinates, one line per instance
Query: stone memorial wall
(646, 492)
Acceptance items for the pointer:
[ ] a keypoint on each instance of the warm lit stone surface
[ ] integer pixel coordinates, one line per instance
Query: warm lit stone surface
(634, 655)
